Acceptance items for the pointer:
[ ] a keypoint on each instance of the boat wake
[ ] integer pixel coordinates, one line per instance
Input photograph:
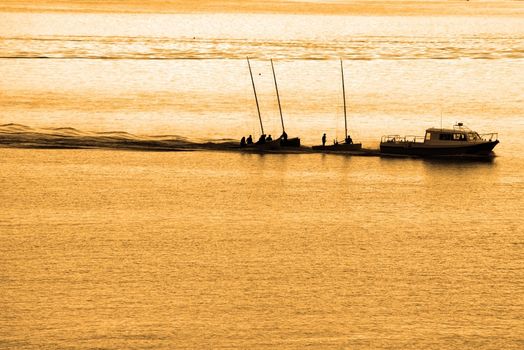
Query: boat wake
(21, 136)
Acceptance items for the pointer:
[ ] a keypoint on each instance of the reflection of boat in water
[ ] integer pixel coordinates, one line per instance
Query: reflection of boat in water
(348, 144)
(265, 143)
(459, 141)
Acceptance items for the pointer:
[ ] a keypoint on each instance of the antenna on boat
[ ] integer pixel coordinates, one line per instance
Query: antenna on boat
(255, 92)
(278, 96)
(441, 118)
(344, 96)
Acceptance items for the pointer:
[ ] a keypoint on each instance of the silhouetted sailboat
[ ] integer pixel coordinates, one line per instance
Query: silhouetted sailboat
(262, 143)
(284, 140)
(348, 144)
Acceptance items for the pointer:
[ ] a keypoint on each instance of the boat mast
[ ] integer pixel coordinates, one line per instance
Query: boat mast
(255, 92)
(278, 97)
(344, 96)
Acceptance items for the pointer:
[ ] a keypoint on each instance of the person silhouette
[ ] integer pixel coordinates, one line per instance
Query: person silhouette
(249, 140)
(243, 141)
(324, 140)
(269, 138)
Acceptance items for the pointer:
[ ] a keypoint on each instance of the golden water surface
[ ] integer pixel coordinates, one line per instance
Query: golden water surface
(111, 249)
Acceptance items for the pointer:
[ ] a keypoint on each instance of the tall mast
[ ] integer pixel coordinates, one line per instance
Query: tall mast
(344, 96)
(255, 92)
(278, 97)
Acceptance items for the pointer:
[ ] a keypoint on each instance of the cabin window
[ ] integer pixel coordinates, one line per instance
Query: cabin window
(445, 137)
(459, 137)
(428, 136)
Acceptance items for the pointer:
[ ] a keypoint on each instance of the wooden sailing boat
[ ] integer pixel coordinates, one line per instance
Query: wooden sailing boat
(284, 140)
(347, 144)
(262, 144)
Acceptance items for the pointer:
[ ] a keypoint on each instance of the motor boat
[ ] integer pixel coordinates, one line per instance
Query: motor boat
(458, 141)
(348, 144)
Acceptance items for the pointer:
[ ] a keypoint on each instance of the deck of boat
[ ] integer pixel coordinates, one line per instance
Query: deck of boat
(339, 147)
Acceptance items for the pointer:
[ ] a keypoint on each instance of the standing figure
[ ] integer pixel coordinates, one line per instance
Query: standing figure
(243, 141)
(323, 140)
(249, 140)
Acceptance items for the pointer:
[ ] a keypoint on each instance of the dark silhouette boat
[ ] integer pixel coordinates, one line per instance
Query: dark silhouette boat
(438, 142)
(263, 144)
(339, 147)
(348, 144)
(284, 140)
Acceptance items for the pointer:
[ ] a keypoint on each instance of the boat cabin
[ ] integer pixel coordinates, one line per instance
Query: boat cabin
(435, 136)
(439, 135)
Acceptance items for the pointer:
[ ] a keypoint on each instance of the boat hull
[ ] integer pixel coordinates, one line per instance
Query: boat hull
(271, 145)
(292, 142)
(423, 150)
(261, 147)
(341, 147)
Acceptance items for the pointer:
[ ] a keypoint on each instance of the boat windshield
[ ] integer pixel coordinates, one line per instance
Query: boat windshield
(473, 136)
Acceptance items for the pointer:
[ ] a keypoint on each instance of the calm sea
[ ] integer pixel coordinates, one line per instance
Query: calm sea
(107, 249)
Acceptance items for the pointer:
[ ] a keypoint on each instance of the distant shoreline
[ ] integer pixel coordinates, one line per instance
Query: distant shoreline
(364, 8)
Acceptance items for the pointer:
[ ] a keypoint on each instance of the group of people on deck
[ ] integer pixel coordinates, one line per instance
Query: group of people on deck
(348, 140)
(244, 141)
(263, 139)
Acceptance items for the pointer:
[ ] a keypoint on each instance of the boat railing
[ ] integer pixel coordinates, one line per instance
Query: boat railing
(389, 138)
(492, 136)
(402, 139)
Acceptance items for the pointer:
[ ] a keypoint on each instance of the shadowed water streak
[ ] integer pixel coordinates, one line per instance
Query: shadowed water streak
(21, 136)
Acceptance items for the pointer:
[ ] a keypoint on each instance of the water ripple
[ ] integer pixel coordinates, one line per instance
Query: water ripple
(357, 48)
